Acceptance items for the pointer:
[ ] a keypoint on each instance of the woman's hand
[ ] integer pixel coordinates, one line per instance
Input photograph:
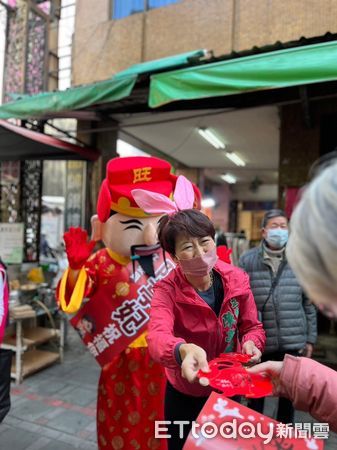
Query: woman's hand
(271, 369)
(249, 348)
(194, 358)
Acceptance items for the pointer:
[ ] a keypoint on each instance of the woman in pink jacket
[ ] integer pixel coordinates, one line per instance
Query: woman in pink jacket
(312, 253)
(204, 307)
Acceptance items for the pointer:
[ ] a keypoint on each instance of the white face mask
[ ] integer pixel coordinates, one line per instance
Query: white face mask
(199, 266)
(277, 237)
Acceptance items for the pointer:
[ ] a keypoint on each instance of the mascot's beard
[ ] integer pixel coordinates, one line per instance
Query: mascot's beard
(143, 254)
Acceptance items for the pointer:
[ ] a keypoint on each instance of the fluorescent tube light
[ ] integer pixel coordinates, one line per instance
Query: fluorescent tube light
(231, 179)
(235, 159)
(208, 202)
(211, 138)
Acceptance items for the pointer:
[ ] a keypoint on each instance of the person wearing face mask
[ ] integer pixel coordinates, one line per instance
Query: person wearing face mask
(288, 317)
(312, 253)
(203, 308)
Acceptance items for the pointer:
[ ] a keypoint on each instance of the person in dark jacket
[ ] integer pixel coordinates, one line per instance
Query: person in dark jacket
(288, 317)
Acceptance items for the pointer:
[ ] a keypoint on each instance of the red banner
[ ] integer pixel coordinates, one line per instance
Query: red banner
(224, 423)
(108, 326)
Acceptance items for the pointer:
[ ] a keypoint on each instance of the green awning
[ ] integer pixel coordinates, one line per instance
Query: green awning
(33, 106)
(161, 64)
(75, 98)
(284, 68)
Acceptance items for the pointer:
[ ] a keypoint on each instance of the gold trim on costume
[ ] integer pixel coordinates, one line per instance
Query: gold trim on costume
(123, 260)
(77, 295)
(124, 207)
(140, 341)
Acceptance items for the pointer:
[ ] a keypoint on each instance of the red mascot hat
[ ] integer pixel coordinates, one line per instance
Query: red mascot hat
(134, 172)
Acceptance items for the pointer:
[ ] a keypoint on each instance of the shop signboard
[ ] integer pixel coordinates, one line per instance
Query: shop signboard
(11, 242)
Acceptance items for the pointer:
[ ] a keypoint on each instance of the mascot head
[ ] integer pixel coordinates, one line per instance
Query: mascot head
(120, 223)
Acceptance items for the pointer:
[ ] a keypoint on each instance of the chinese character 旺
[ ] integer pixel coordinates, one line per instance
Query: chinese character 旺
(111, 333)
(142, 174)
(100, 343)
(320, 430)
(303, 430)
(284, 430)
(92, 349)
(131, 317)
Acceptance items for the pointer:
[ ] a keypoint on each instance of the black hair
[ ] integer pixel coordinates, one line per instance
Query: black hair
(271, 214)
(91, 321)
(190, 222)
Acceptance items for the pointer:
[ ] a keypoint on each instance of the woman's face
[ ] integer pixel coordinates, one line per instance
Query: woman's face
(189, 247)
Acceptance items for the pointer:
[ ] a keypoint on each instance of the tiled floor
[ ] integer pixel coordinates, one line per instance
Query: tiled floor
(55, 408)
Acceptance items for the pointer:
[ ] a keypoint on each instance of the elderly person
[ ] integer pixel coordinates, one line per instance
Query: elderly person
(288, 317)
(312, 253)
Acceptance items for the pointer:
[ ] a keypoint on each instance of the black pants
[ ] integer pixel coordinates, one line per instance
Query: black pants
(285, 410)
(180, 406)
(5, 382)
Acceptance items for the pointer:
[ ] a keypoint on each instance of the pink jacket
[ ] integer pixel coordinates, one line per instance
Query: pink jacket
(179, 314)
(312, 387)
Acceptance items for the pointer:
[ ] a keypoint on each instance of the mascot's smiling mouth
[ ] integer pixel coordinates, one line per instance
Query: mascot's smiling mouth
(143, 254)
(144, 250)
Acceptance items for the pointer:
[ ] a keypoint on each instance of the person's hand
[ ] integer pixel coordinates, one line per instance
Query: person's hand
(194, 358)
(308, 349)
(249, 348)
(271, 369)
(77, 247)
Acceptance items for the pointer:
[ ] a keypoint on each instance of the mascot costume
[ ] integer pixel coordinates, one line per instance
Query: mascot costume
(110, 292)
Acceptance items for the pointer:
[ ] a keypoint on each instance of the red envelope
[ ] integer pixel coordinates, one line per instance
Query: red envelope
(232, 426)
(229, 376)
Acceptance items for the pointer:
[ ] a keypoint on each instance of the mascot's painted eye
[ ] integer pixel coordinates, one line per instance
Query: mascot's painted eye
(132, 224)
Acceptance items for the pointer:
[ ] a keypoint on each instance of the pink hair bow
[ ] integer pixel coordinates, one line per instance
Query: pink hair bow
(154, 203)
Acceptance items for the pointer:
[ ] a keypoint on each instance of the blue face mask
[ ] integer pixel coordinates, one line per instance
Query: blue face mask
(276, 237)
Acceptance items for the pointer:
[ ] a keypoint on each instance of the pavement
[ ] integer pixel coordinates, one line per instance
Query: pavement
(55, 409)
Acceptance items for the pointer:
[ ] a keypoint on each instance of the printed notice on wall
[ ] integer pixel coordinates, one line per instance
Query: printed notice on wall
(11, 242)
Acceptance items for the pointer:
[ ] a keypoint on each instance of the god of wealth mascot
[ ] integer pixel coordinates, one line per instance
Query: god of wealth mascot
(116, 286)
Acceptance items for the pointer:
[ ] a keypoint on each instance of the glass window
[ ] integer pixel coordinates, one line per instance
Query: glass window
(124, 8)
(159, 3)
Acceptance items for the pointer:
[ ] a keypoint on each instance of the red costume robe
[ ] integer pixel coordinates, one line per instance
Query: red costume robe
(131, 386)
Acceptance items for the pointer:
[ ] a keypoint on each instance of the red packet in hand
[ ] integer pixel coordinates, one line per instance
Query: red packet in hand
(225, 424)
(229, 376)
